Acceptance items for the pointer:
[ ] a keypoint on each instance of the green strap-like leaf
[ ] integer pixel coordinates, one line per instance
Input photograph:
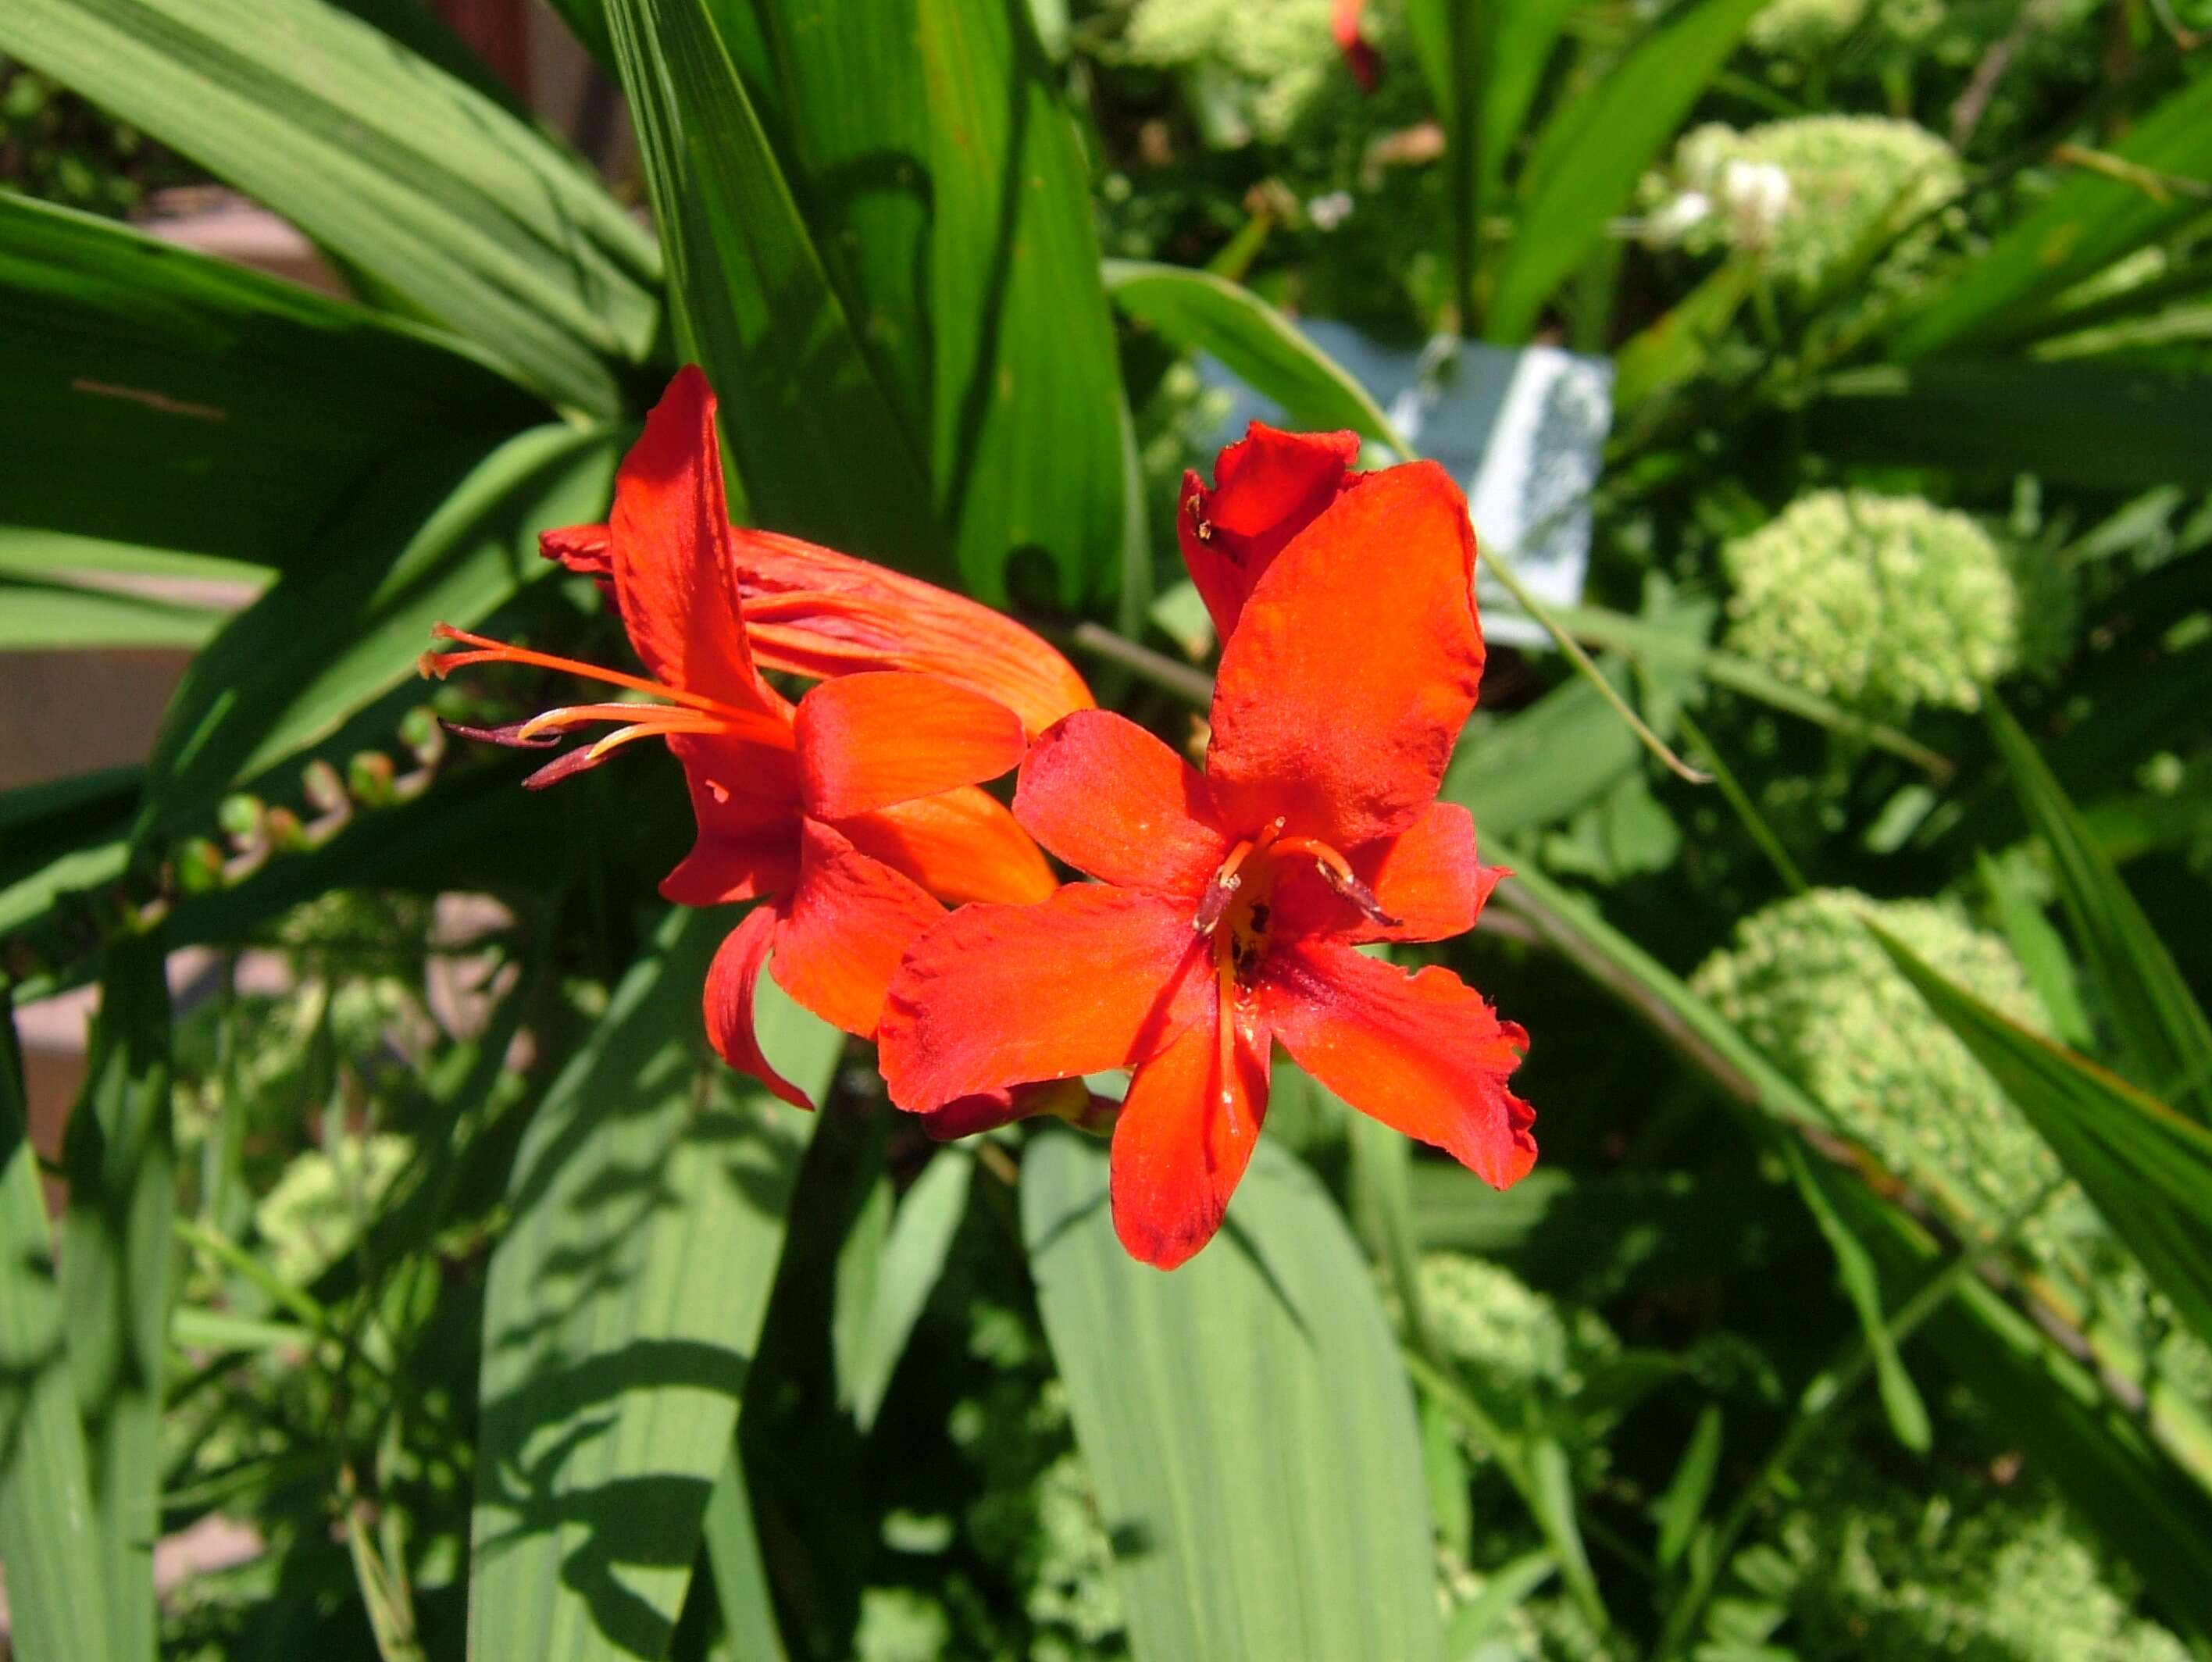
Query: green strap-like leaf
(2148, 1169)
(50, 616)
(116, 1264)
(909, 1257)
(442, 195)
(1199, 312)
(327, 638)
(2083, 226)
(623, 1304)
(1246, 1419)
(1026, 448)
(2163, 1032)
(1593, 150)
(822, 448)
(178, 402)
(51, 1542)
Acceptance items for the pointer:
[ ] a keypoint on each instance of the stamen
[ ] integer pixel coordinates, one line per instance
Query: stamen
(1226, 881)
(1224, 1027)
(496, 652)
(1336, 872)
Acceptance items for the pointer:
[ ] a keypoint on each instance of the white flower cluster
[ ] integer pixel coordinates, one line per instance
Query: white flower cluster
(1285, 47)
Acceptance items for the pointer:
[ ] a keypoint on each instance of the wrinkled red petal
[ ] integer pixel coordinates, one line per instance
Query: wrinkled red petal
(961, 846)
(815, 612)
(1183, 1141)
(1268, 486)
(1110, 799)
(670, 553)
(867, 741)
(1354, 666)
(1427, 878)
(732, 979)
(1423, 1053)
(1093, 978)
(844, 930)
(588, 550)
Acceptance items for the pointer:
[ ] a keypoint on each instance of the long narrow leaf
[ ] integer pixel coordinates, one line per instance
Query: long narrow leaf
(2162, 1029)
(621, 1312)
(822, 448)
(238, 408)
(48, 616)
(327, 639)
(2148, 1170)
(1026, 443)
(1250, 1428)
(117, 1274)
(1591, 153)
(1199, 312)
(49, 1541)
(442, 195)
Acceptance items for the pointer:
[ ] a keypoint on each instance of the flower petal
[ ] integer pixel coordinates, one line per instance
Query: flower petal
(731, 981)
(670, 553)
(1427, 878)
(867, 741)
(961, 846)
(1065, 1098)
(1183, 1141)
(844, 930)
(1268, 486)
(1110, 799)
(745, 798)
(1354, 666)
(1423, 1053)
(1093, 978)
(815, 612)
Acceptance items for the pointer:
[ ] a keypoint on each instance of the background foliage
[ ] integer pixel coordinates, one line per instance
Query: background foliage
(1860, 1303)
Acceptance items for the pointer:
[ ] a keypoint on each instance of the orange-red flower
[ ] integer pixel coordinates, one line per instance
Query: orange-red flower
(852, 814)
(1231, 903)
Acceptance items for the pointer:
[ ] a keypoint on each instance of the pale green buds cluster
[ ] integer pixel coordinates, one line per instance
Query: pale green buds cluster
(1884, 603)
(1283, 50)
(1802, 196)
(1813, 989)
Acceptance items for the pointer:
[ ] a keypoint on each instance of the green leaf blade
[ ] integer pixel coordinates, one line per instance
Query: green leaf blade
(1250, 1429)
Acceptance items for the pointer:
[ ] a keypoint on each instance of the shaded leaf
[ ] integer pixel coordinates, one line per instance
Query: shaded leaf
(442, 195)
(801, 399)
(1250, 1430)
(327, 638)
(48, 616)
(622, 1311)
(238, 408)
(2162, 1029)
(49, 1539)
(911, 1258)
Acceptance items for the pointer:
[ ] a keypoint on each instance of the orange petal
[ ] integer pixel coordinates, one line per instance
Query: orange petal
(670, 552)
(1427, 878)
(964, 1116)
(1183, 1141)
(1093, 978)
(588, 550)
(731, 981)
(961, 846)
(867, 741)
(1268, 486)
(745, 798)
(844, 928)
(1423, 1053)
(1110, 799)
(817, 612)
(1354, 666)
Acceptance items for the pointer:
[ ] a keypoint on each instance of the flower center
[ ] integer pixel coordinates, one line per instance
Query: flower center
(1236, 911)
(683, 712)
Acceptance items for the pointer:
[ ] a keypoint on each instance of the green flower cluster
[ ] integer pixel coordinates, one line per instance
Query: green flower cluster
(1283, 52)
(1803, 195)
(1812, 988)
(1803, 29)
(1883, 603)
(1977, 1569)
(314, 1216)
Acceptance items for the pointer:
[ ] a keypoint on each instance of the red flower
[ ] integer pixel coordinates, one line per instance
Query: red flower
(852, 814)
(1229, 902)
